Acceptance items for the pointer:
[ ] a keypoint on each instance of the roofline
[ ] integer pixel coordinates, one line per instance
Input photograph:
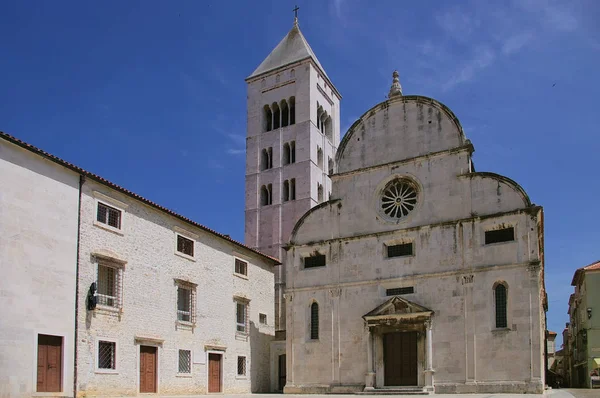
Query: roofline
(581, 270)
(97, 178)
(252, 78)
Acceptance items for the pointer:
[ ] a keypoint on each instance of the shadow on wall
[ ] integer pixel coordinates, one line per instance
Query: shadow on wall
(259, 357)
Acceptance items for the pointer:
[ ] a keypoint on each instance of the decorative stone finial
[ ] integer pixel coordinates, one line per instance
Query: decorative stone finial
(396, 88)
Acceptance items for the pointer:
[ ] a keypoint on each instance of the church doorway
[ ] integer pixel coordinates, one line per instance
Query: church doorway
(400, 359)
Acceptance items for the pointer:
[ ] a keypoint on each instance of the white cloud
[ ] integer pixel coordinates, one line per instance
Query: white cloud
(237, 138)
(233, 151)
(484, 56)
(516, 42)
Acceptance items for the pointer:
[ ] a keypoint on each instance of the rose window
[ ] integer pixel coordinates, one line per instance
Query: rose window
(399, 198)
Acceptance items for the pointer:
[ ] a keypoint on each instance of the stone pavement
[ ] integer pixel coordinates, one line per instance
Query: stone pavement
(561, 393)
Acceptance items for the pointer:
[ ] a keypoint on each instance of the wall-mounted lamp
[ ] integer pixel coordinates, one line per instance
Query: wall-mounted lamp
(589, 312)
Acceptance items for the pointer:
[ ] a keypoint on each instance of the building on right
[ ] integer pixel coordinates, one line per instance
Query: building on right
(584, 328)
(419, 274)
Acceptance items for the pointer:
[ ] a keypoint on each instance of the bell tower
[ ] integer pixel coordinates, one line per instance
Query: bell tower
(293, 131)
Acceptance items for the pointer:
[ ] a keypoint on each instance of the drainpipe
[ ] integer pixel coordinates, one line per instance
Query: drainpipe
(81, 182)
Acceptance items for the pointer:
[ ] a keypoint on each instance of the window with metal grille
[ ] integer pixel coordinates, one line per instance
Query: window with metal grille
(397, 291)
(184, 304)
(241, 317)
(108, 284)
(262, 318)
(241, 267)
(185, 361)
(499, 235)
(317, 260)
(108, 215)
(314, 321)
(404, 249)
(501, 304)
(241, 371)
(107, 355)
(185, 245)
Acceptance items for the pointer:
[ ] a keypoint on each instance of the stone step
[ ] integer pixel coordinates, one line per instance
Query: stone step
(395, 391)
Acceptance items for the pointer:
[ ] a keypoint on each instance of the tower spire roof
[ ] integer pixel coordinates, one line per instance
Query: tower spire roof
(292, 48)
(396, 88)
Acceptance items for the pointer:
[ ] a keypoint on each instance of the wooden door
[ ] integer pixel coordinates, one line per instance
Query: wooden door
(214, 372)
(282, 372)
(148, 368)
(49, 363)
(400, 359)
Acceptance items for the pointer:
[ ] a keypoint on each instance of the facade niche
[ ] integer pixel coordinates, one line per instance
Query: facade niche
(320, 157)
(289, 152)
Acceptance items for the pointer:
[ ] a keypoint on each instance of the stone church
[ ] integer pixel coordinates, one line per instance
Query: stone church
(403, 268)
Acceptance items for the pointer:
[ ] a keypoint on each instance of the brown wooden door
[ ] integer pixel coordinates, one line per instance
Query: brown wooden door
(282, 372)
(400, 358)
(49, 365)
(148, 365)
(214, 372)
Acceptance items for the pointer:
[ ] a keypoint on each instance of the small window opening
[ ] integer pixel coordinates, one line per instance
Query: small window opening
(268, 118)
(404, 249)
(501, 310)
(240, 317)
(330, 165)
(293, 152)
(293, 73)
(285, 114)
(184, 304)
(286, 190)
(319, 192)
(320, 157)
(397, 291)
(314, 321)
(109, 215)
(108, 286)
(267, 158)
(328, 128)
(500, 235)
(241, 366)
(241, 267)
(262, 318)
(185, 245)
(276, 116)
(266, 195)
(185, 361)
(293, 189)
(316, 260)
(107, 352)
(292, 110)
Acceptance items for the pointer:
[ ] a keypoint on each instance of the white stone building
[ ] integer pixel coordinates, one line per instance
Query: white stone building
(163, 304)
(419, 272)
(38, 252)
(293, 131)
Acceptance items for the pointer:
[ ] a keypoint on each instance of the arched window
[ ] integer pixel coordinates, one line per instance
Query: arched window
(319, 192)
(286, 154)
(266, 159)
(320, 157)
(276, 116)
(500, 298)
(330, 165)
(267, 118)
(292, 110)
(314, 321)
(286, 191)
(285, 115)
(264, 196)
(293, 73)
(293, 189)
(293, 152)
(328, 128)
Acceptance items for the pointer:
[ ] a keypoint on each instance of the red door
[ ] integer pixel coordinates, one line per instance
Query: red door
(49, 364)
(214, 372)
(148, 372)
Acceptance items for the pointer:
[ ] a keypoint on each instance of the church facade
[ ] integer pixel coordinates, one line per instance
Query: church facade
(419, 273)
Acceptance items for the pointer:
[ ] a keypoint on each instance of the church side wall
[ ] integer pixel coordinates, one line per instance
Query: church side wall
(147, 243)
(38, 254)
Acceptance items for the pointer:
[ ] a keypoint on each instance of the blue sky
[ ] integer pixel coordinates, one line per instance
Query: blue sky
(151, 94)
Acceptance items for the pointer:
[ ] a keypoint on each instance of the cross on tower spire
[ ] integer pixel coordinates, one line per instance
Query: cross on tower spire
(296, 15)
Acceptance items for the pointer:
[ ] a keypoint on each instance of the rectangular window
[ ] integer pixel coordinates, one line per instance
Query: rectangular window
(185, 245)
(108, 215)
(397, 291)
(241, 267)
(240, 317)
(262, 318)
(404, 249)
(107, 351)
(185, 361)
(184, 304)
(241, 368)
(108, 284)
(314, 261)
(500, 235)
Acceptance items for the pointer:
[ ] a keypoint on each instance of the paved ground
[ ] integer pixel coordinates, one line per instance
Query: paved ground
(560, 393)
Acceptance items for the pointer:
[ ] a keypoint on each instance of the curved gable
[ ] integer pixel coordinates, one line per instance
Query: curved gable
(400, 128)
